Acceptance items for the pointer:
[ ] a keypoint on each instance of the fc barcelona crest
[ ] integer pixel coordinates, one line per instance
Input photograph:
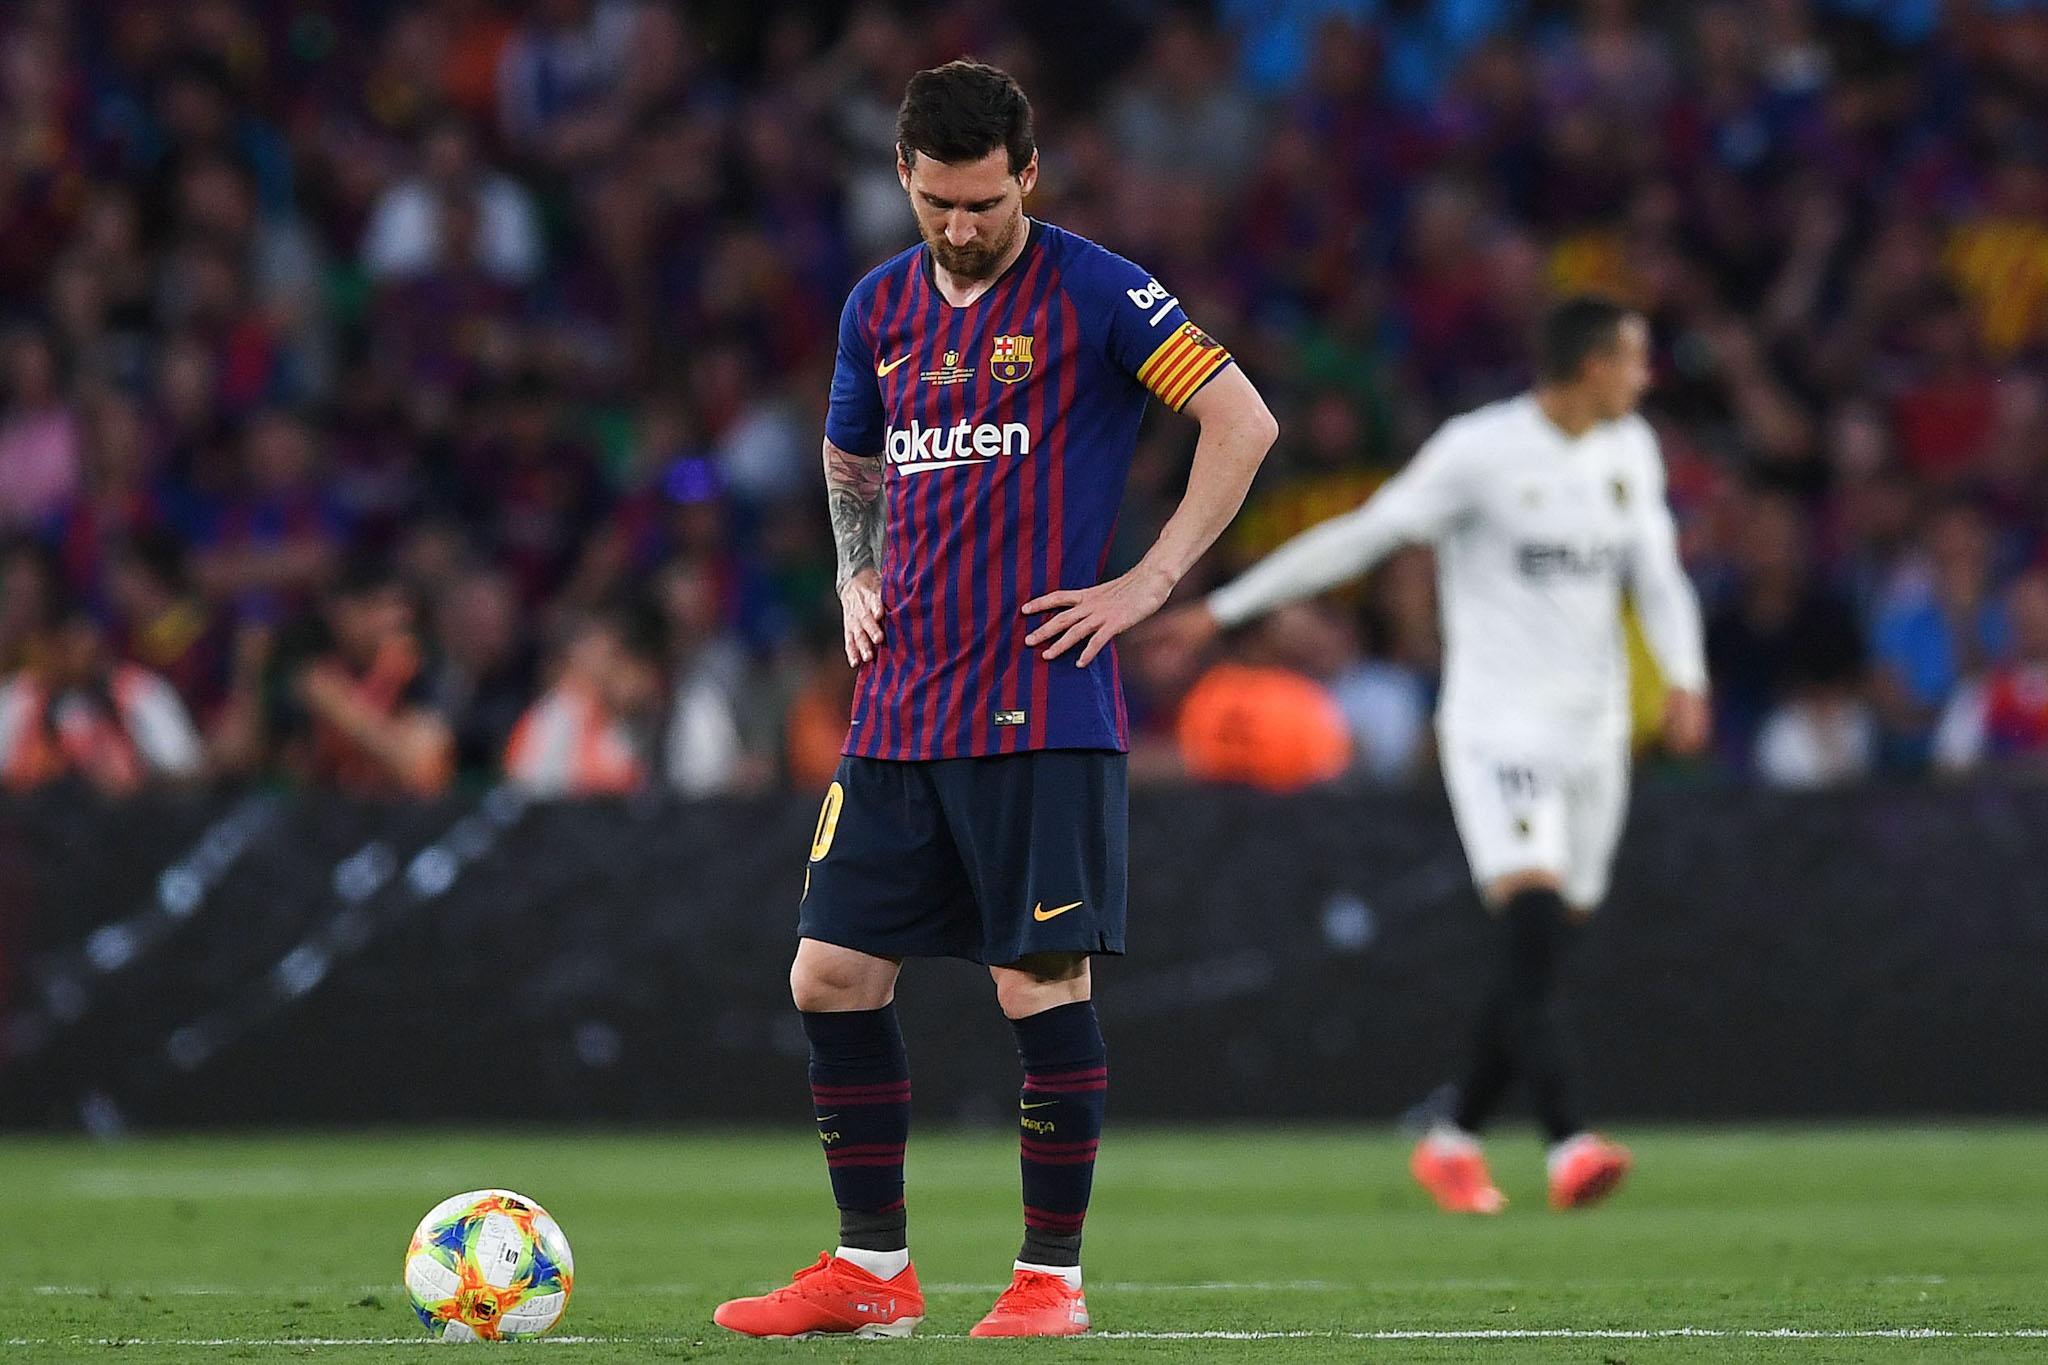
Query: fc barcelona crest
(1009, 359)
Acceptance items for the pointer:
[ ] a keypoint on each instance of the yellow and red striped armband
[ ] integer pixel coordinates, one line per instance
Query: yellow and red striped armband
(1181, 365)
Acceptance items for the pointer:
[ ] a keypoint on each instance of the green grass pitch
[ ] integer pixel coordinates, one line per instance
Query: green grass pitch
(1307, 1243)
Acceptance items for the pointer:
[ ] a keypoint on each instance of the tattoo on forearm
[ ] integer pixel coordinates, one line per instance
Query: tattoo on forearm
(853, 492)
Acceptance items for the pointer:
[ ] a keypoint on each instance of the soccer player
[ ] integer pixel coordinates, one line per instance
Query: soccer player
(1541, 509)
(984, 412)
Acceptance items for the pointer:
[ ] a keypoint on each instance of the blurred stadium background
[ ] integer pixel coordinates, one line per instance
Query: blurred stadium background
(409, 417)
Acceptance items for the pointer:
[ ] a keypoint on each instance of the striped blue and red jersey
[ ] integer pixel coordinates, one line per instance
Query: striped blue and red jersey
(1008, 428)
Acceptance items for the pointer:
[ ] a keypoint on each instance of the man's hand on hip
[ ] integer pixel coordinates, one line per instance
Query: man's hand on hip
(1092, 617)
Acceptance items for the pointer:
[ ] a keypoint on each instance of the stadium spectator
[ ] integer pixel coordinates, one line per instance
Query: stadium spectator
(360, 718)
(40, 433)
(162, 623)
(561, 73)
(1941, 623)
(549, 287)
(528, 484)
(270, 544)
(28, 594)
(704, 749)
(116, 501)
(1824, 735)
(587, 734)
(2001, 717)
(1781, 631)
(1179, 119)
(482, 673)
(454, 208)
(77, 712)
(1387, 693)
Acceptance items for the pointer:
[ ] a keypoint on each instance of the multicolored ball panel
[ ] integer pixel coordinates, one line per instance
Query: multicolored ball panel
(490, 1265)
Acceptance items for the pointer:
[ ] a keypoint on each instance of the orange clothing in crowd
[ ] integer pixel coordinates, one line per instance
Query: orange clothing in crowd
(568, 744)
(1265, 727)
(120, 736)
(393, 684)
(814, 734)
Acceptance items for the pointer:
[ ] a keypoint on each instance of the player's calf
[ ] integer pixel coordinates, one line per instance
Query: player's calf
(1059, 1124)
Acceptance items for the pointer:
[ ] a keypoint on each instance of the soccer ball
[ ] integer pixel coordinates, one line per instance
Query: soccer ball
(489, 1265)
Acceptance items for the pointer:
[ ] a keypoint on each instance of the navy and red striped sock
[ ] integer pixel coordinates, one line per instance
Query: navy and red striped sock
(860, 1087)
(1066, 1082)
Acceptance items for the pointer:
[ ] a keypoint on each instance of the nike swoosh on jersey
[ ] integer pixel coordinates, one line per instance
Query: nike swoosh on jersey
(882, 371)
(1039, 912)
(1042, 1104)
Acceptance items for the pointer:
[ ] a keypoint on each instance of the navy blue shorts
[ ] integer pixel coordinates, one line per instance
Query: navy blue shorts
(991, 859)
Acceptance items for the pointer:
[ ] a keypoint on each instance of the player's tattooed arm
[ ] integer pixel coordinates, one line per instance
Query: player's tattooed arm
(853, 490)
(853, 493)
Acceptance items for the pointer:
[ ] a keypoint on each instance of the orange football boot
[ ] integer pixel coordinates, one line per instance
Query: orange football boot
(1454, 1172)
(1585, 1170)
(831, 1298)
(1036, 1305)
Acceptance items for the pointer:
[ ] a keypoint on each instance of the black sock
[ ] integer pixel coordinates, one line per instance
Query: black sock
(1518, 1032)
(1066, 1082)
(860, 1090)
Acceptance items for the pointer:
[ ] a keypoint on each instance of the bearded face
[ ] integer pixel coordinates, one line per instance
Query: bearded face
(970, 214)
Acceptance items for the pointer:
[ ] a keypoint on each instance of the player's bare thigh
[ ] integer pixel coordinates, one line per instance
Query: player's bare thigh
(1031, 985)
(827, 978)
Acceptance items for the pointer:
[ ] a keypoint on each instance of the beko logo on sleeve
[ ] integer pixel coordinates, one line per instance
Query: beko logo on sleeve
(1153, 295)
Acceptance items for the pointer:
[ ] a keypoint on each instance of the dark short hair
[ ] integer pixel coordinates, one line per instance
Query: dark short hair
(1574, 330)
(962, 111)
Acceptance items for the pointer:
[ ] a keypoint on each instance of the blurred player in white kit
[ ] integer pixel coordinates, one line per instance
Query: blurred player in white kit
(1542, 509)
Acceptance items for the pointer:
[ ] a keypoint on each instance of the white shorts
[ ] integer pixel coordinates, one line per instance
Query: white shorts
(1524, 812)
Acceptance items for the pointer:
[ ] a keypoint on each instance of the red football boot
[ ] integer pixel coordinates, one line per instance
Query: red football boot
(1036, 1305)
(1452, 1168)
(831, 1298)
(1585, 1170)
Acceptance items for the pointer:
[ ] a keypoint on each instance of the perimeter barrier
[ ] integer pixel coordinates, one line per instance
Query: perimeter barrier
(269, 958)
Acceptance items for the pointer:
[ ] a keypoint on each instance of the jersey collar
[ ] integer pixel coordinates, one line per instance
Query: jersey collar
(931, 275)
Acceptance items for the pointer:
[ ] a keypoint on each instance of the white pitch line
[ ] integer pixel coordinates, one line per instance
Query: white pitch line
(1392, 1334)
(1156, 1287)
(267, 1291)
(1597, 1334)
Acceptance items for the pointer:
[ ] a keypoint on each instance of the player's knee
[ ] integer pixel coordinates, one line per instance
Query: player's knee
(824, 983)
(1501, 891)
(1041, 982)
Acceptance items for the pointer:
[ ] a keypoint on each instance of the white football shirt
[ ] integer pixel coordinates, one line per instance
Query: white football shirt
(1536, 535)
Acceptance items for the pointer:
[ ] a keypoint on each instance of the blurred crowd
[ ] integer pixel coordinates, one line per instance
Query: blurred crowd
(402, 394)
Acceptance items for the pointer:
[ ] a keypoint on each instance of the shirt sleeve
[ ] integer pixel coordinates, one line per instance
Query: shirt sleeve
(1149, 337)
(1416, 506)
(1665, 602)
(161, 729)
(854, 420)
(1959, 738)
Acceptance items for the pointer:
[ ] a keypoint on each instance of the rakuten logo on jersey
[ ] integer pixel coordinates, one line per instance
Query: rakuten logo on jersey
(924, 448)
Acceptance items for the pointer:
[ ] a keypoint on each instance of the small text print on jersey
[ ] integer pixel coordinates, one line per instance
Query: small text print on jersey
(922, 449)
(1540, 561)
